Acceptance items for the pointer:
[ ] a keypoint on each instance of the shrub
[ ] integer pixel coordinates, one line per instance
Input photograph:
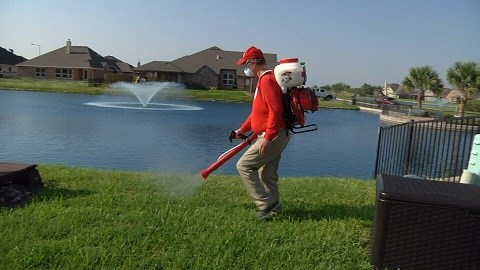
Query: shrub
(117, 77)
(95, 82)
(473, 105)
(196, 86)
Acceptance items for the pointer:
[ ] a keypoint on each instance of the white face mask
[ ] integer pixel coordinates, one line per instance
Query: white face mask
(248, 72)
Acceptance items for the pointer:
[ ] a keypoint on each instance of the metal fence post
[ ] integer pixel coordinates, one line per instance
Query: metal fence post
(406, 163)
(375, 172)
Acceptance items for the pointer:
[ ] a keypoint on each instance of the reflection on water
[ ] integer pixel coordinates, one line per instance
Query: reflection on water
(149, 106)
(60, 128)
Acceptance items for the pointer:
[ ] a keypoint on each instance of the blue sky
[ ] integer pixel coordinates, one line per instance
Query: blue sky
(349, 41)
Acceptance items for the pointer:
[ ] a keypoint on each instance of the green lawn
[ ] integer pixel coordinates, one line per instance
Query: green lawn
(220, 95)
(93, 219)
(83, 87)
(63, 86)
(337, 104)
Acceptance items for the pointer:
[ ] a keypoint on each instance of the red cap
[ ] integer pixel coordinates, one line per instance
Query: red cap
(288, 60)
(250, 53)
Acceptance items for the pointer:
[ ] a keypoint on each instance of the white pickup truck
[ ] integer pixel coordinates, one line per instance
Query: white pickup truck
(325, 94)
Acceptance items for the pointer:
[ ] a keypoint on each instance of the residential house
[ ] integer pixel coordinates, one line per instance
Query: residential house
(159, 71)
(403, 93)
(396, 90)
(207, 69)
(8, 60)
(452, 95)
(72, 63)
(390, 89)
(118, 66)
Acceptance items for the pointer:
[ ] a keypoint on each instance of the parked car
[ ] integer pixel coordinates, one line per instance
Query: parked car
(325, 94)
(387, 101)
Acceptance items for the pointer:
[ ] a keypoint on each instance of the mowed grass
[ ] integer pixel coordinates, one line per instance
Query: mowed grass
(94, 219)
(337, 104)
(82, 87)
(44, 85)
(220, 95)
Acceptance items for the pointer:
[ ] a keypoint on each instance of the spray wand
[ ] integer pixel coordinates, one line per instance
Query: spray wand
(230, 153)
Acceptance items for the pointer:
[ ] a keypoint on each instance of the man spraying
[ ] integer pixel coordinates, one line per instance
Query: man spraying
(258, 167)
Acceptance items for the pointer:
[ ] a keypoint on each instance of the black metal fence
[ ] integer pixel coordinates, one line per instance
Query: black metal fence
(437, 149)
(402, 111)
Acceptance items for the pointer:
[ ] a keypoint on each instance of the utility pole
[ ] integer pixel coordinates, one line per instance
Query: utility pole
(39, 50)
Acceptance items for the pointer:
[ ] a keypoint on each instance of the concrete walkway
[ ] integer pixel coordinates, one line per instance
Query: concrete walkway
(394, 119)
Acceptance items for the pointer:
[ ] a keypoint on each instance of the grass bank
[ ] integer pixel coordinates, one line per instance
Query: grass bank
(82, 87)
(220, 95)
(62, 86)
(92, 219)
(337, 104)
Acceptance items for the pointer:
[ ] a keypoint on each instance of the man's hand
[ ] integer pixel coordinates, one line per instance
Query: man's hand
(239, 133)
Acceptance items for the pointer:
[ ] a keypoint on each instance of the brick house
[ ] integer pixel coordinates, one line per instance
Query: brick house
(210, 68)
(391, 89)
(72, 63)
(8, 60)
(396, 90)
(452, 95)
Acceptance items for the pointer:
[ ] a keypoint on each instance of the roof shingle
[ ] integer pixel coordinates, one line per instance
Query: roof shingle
(79, 57)
(213, 57)
(9, 58)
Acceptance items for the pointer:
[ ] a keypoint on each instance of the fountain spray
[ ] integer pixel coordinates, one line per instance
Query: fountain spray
(144, 92)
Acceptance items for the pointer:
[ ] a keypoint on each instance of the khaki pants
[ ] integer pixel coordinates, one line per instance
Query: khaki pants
(259, 171)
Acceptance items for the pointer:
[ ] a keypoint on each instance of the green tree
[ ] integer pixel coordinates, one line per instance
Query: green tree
(326, 87)
(465, 77)
(423, 78)
(340, 87)
(368, 89)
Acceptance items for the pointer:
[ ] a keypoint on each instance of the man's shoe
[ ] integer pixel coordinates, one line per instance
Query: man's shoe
(269, 212)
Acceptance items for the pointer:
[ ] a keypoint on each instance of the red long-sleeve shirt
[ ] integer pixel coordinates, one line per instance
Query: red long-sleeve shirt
(267, 108)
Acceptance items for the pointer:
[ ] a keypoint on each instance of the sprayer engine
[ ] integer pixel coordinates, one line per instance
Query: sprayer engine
(291, 75)
(303, 100)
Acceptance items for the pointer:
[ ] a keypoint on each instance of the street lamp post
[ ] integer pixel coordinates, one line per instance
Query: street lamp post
(39, 51)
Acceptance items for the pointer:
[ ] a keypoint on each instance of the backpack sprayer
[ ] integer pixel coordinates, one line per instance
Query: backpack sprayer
(291, 75)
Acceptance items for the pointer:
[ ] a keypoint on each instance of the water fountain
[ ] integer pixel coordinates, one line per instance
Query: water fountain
(144, 92)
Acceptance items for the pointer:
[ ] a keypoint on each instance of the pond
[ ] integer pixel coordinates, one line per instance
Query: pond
(176, 135)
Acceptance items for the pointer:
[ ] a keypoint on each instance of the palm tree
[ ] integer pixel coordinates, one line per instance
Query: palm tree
(424, 78)
(465, 77)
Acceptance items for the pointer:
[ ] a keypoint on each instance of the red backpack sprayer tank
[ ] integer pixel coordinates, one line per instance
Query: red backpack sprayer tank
(291, 75)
